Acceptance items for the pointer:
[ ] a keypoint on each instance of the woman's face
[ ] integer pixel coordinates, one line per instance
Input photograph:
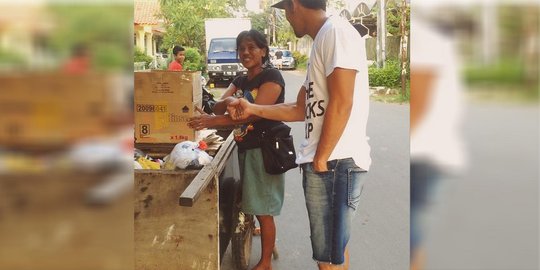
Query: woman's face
(250, 54)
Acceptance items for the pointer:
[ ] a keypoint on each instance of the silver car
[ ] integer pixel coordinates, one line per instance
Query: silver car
(287, 61)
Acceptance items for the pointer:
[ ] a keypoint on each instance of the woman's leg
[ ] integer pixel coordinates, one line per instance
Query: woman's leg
(268, 240)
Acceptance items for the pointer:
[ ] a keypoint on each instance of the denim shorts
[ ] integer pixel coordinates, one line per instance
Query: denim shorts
(332, 198)
(425, 179)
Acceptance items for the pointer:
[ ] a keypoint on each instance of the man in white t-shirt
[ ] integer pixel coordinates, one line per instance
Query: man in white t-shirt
(437, 150)
(334, 103)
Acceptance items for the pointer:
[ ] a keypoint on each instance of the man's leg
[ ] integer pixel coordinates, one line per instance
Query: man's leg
(346, 263)
(327, 266)
(418, 259)
(344, 266)
(329, 211)
(424, 178)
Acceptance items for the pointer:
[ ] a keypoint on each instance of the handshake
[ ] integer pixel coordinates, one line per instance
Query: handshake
(240, 109)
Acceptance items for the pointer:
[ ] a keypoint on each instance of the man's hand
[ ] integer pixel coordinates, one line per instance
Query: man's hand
(240, 109)
(320, 164)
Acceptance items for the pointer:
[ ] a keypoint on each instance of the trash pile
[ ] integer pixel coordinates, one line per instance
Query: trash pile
(185, 155)
(92, 155)
(143, 161)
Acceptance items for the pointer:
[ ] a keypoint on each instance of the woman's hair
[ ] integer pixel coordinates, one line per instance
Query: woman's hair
(260, 41)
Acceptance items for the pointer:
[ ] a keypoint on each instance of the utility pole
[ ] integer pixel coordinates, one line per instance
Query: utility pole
(381, 34)
(404, 44)
(274, 26)
(271, 34)
(490, 35)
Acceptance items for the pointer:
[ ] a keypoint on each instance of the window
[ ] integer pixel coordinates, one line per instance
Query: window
(223, 45)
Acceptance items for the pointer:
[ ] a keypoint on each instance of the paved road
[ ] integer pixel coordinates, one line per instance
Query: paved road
(380, 237)
(489, 217)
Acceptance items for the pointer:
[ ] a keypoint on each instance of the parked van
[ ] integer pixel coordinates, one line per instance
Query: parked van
(223, 64)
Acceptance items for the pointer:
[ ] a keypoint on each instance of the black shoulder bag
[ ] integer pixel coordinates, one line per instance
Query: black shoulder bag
(278, 149)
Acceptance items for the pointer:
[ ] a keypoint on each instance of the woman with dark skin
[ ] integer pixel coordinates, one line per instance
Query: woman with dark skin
(262, 193)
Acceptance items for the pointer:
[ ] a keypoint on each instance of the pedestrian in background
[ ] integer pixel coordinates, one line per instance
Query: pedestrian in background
(179, 56)
(279, 59)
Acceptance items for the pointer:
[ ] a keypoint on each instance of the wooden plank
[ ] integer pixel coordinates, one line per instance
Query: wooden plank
(161, 172)
(207, 173)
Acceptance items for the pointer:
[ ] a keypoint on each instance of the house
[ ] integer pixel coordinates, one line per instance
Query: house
(24, 30)
(148, 26)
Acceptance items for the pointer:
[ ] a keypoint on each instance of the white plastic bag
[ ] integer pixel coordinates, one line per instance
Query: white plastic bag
(187, 154)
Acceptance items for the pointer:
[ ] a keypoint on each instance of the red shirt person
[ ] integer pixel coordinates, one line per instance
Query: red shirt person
(179, 56)
(79, 62)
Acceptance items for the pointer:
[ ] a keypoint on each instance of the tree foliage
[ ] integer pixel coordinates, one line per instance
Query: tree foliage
(284, 31)
(194, 60)
(102, 28)
(393, 18)
(267, 19)
(140, 56)
(259, 21)
(185, 19)
(337, 4)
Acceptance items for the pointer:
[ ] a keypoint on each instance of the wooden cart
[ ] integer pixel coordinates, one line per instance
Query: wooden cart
(184, 219)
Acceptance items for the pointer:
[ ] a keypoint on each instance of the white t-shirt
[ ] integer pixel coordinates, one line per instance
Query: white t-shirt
(337, 44)
(437, 137)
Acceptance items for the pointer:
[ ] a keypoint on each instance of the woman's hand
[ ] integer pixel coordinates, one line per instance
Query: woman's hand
(221, 105)
(201, 121)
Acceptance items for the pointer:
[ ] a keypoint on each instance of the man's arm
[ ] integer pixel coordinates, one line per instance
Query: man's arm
(268, 94)
(421, 91)
(288, 112)
(340, 85)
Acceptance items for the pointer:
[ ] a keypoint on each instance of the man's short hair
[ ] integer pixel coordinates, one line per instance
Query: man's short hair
(311, 4)
(177, 49)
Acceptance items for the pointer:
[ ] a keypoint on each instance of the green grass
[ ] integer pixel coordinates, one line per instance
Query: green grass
(506, 72)
(393, 98)
(400, 97)
(516, 94)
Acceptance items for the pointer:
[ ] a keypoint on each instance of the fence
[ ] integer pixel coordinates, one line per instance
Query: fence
(392, 48)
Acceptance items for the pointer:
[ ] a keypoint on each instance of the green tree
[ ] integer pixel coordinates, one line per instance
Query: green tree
(337, 4)
(259, 21)
(185, 19)
(102, 28)
(272, 18)
(139, 56)
(393, 17)
(194, 60)
(284, 31)
(236, 5)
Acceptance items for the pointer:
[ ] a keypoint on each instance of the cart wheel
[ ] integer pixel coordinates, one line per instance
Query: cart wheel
(226, 201)
(242, 235)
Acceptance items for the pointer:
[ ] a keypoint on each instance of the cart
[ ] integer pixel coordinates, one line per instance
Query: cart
(185, 219)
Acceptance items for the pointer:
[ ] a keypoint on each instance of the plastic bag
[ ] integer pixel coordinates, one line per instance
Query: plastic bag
(187, 155)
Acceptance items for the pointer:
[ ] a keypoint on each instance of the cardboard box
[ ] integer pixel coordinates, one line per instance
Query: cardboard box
(41, 109)
(164, 102)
